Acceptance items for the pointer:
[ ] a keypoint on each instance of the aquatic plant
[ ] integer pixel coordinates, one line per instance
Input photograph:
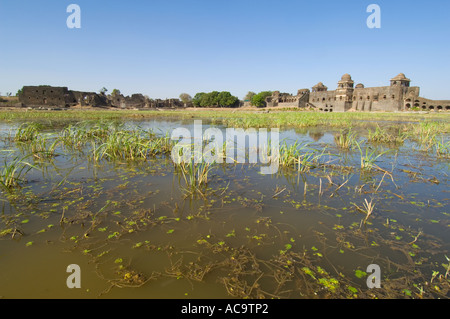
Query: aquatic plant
(442, 148)
(425, 133)
(345, 139)
(27, 132)
(299, 156)
(44, 146)
(195, 176)
(368, 157)
(380, 135)
(14, 171)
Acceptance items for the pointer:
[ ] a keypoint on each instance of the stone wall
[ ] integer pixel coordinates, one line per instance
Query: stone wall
(45, 96)
(88, 99)
(427, 104)
(50, 96)
(285, 100)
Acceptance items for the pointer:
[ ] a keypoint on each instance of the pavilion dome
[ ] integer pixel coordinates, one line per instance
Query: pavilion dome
(401, 77)
(346, 77)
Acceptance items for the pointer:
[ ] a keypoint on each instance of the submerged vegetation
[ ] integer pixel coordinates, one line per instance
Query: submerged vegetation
(108, 191)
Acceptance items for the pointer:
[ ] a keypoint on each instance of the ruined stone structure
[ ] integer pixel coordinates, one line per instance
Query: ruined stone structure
(51, 97)
(88, 99)
(399, 96)
(168, 103)
(133, 101)
(45, 96)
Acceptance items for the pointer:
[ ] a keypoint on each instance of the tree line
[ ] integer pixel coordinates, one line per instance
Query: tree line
(224, 99)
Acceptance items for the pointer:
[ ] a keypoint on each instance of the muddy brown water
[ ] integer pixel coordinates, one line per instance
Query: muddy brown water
(134, 233)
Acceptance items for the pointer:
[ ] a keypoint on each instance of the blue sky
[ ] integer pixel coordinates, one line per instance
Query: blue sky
(162, 48)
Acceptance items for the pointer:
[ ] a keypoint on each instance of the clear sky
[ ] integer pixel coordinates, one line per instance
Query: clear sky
(162, 48)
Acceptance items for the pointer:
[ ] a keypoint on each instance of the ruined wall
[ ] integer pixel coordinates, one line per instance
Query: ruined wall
(323, 101)
(44, 96)
(88, 99)
(168, 103)
(51, 96)
(285, 100)
(427, 104)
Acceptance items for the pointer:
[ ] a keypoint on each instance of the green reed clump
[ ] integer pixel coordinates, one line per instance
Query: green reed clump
(123, 145)
(425, 133)
(14, 171)
(380, 135)
(442, 148)
(195, 175)
(289, 154)
(44, 146)
(27, 132)
(299, 157)
(76, 136)
(345, 139)
(369, 156)
(30, 137)
(130, 145)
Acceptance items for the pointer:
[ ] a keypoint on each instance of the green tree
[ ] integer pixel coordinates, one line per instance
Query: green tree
(197, 100)
(215, 99)
(225, 99)
(185, 98)
(259, 100)
(211, 99)
(103, 90)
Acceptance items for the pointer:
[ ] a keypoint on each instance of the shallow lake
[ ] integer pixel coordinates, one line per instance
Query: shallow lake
(136, 233)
